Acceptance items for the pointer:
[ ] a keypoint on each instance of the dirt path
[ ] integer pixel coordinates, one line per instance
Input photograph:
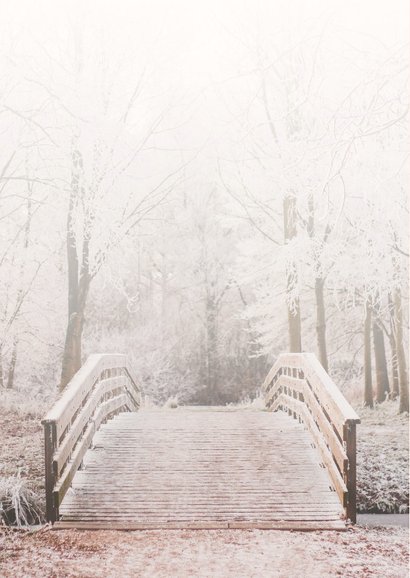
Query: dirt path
(205, 554)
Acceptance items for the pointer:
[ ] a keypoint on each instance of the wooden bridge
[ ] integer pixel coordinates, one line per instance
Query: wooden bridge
(112, 464)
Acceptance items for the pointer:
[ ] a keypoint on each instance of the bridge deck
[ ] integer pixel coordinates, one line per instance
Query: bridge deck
(202, 468)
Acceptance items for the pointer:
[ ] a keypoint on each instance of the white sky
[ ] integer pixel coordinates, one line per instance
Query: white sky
(191, 45)
(196, 32)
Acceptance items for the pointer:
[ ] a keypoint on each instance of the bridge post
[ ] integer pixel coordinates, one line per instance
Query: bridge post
(50, 437)
(350, 475)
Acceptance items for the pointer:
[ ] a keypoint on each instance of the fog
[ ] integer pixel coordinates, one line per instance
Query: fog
(203, 185)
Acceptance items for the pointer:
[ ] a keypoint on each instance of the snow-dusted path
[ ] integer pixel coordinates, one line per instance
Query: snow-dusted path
(359, 553)
(202, 468)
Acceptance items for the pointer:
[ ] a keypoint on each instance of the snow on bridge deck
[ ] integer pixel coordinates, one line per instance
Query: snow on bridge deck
(202, 468)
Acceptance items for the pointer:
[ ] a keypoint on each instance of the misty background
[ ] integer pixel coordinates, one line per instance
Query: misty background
(203, 185)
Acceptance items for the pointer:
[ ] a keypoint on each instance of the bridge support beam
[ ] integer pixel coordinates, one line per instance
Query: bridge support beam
(50, 438)
(350, 441)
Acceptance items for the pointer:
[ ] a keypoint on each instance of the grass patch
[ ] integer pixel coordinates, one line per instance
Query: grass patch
(382, 460)
(19, 505)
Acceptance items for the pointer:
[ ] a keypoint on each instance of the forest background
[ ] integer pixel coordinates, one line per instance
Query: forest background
(202, 188)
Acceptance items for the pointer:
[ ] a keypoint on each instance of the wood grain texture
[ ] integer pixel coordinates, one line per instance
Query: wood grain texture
(209, 468)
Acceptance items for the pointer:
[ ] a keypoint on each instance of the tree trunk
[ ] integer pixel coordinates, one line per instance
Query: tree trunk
(72, 348)
(211, 348)
(78, 281)
(319, 289)
(12, 367)
(382, 375)
(1, 369)
(368, 387)
(164, 292)
(201, 362)
(73, 342)
(321, 322)
(294, 317)
(393, 347)
(401, 357)
(294, 323)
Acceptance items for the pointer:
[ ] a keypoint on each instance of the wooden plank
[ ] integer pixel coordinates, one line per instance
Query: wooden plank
(190, 509)
(68, 474)
(108, 407)
(70, 400)
(325, 454)
(292, 526)
(189, 468)
(327, 431)
(133, 377)
(294, 383)
(186, 512)
(323, 383)
(330, 413)
(224, 503)
(65, 425)
(272, 373)
(103, 387)
(149, 516)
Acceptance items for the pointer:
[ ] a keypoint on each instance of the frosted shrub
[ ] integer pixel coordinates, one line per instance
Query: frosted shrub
(19, 506)
(172, 402)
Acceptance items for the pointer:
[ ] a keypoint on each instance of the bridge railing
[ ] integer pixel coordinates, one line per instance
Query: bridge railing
(104, 386)
(299, 385)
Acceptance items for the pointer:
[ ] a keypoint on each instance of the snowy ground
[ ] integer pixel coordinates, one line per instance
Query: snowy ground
(359, 553)
(21, 449)
(383, 460)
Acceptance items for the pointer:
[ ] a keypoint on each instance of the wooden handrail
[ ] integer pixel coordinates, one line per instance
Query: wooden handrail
(298, 384)
(104, 386)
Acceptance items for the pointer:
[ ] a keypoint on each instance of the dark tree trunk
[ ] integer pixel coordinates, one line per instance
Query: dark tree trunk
(1, 369)
(211, 345)
(294, 322)
(393, 347)
(321, 322)
(73, 341)
(395, 371)
(78, 280)
(319, 289)
(368, 386)
(382, 375)
(294, 317)
(401, 356)
(12, 366)
(72, 348)
(202, 361)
